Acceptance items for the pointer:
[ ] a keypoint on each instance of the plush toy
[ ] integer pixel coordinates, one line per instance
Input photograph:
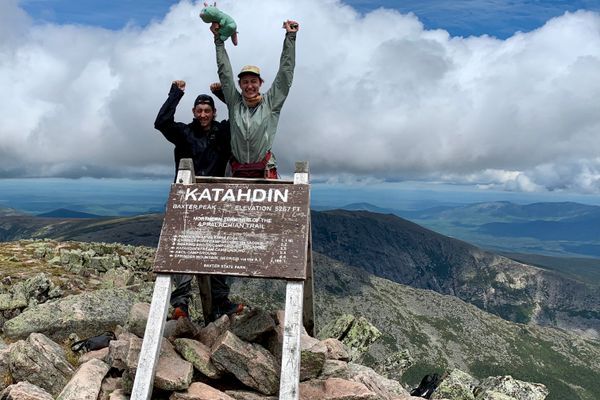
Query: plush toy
(227, 26)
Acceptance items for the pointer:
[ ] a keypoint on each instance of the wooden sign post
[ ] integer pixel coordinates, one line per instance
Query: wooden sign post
(242, 227)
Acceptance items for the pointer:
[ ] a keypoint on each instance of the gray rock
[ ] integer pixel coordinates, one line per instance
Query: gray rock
(109, 385)
(41, 362)
(118, 394)
(172, 371)
(507, 385)
(86, 383)
(34, 290)
(5, 375)
(394, 366)
(250, 363)
(246, 395)
(456, 385)
(253, 325)
(137, 319)
(312, 357)
(199, 355)
(200, 391)
(334, 369)
(117, 353)
(25, 391)
(86, 314)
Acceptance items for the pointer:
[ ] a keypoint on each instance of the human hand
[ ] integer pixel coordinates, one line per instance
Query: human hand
(291, 26)
(215, 87)
(214, 28)
(180, 85)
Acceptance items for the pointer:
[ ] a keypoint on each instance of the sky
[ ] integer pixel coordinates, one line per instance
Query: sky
(500, 95)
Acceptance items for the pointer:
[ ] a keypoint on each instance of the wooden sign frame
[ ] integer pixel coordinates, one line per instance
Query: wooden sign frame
(299, 304)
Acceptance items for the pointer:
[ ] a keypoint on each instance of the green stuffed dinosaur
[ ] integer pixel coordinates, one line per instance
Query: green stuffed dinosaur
(226, 25)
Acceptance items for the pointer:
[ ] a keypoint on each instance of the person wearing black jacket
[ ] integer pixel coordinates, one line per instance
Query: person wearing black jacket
(207, 142)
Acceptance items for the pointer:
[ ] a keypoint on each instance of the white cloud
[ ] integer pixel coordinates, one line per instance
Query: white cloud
(374, 95)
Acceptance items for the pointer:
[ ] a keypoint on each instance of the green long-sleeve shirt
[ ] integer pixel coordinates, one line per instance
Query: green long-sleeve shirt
(253, 129)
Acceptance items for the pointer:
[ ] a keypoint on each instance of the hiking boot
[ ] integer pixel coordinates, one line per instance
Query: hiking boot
(226, 308)
(180, 311)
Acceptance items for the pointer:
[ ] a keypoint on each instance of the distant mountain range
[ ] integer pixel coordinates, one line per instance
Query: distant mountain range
(390, 247)
(563, 229)
(64, 213)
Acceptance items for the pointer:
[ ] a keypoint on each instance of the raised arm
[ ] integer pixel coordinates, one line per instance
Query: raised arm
(283, 80)
(165, 120)
(224, 68)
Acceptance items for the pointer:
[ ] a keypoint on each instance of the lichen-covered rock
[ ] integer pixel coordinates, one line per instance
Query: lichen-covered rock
(356, 333)
(37, 289)
(334, 369)
(456, 385)
(86, 383)
(138, 317)
(250, 363)
(5, 375)
(394, 366)
(41, 362)
(25, 391)
(312, 357)
(507, 385)
(199, 355)
(213, 331)
(246, 395)
(85, 314)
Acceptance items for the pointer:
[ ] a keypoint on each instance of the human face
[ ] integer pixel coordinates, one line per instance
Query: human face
(205, 114)
(250, 85)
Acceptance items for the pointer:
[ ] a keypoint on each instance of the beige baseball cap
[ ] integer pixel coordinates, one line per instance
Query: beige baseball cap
(249, 69)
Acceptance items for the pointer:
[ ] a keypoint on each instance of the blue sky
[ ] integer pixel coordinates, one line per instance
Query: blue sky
(499, 18)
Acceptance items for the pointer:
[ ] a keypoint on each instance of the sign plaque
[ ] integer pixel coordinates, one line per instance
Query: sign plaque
(246, 229)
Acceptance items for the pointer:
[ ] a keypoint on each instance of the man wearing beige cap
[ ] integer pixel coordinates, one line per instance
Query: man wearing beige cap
(253, 116)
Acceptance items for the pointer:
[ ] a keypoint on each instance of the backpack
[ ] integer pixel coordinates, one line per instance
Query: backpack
(94, 342)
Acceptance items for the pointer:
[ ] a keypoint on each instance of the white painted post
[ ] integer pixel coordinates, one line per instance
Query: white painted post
(294, 295)
(144, 376)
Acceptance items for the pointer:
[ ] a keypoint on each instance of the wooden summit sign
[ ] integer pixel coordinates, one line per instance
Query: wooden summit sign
(247, 229)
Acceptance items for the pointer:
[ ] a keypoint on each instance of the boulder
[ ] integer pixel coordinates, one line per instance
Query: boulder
(334, 369)
(395, 365)
(387, 389)
(356, 333)
(200, 391)
(312, 357)
(456, 385)
(118, 394)
(507, 385)
(211, 333)
(335, 389)
(253, 325)
(246, 395)
(86, 314)
(250, 363)
(109, 385)
(25, 391)
(5, 375)
(41, 362)
(336, 350)
(199, 355)
(94, 355)
(137, 319)
(172, 371)
(86, 383)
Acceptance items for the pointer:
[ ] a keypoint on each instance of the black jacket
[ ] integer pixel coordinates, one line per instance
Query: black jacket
(209, 151)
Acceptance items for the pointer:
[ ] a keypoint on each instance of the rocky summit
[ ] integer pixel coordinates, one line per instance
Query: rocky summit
(373, 337)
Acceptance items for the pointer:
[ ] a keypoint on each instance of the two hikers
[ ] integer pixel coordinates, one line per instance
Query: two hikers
(245, 141)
